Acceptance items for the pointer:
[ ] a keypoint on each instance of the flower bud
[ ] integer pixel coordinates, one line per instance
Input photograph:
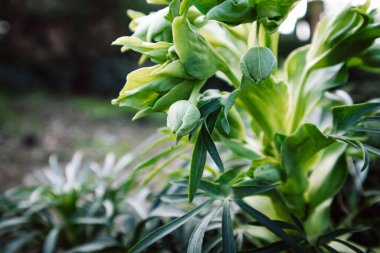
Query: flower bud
(183, 117)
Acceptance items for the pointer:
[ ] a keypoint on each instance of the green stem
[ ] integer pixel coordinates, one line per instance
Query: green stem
(257, 34)
(185, 5)
(195, 93)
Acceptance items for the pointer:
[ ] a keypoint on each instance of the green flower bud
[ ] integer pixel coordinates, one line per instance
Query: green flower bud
(183, 117)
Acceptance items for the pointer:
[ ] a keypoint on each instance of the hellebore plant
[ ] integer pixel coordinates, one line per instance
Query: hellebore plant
(281, 144)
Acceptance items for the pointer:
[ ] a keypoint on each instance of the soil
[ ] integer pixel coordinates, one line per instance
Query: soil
(35, 126)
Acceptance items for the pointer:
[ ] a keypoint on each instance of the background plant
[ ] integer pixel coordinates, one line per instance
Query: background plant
(281, 143)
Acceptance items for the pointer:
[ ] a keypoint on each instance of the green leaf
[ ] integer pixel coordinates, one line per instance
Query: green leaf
(359, 145)
(298, 156)
(245, 191)
(198, 162)
(13, 222)
(330, 249)
(373, 150)
(329, 175)
(198, 57)
(51, 240)
(257, 64)
(230, 101)
(211, 148)
(97, 245)
(337, 233)
(17, 244)
(271, 13)
(210, 107)
(369, 60)
(232, 12)
(174, 8)
(348, 245)
(345, 117)
(161, 232)
(153, 160)
(258, 100)
(181, 91)
(366, 130)
(215, 190)
(274, 247)
(281, 224)
(239, 148)
(196, 239)
(227, 229)
(270, 225)
(155, 51)
(205, 5)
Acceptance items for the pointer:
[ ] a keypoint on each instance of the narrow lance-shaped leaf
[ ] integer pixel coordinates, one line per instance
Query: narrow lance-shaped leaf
(227, 229)
(348, 245)
(196, 239)
(51, 241)
(167, 229)
(274, 247)
(230, 101)
(337, 233)
(244, 191)
(270, 225)
(198, 161)
(211, 148)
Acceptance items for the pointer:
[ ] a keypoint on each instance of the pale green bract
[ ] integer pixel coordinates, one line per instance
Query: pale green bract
(183, 117)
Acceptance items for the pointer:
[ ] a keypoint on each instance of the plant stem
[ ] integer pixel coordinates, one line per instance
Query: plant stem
(185, 5)
(195, 93)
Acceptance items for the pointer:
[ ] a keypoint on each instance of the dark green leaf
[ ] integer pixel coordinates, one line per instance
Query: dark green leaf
(337, 233)
(198, 162)
(274, 247)
(161, 232)
(245, 191)
(330, 249)
(348, 245)
(344, 117)
(205, 5)
(232, 12)
(230, 101)
(366, 130)
(211, 148)
(298, 151)
(281, 224)
(215, 190)
(227, 229)
(270, 225)
(210, 107)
